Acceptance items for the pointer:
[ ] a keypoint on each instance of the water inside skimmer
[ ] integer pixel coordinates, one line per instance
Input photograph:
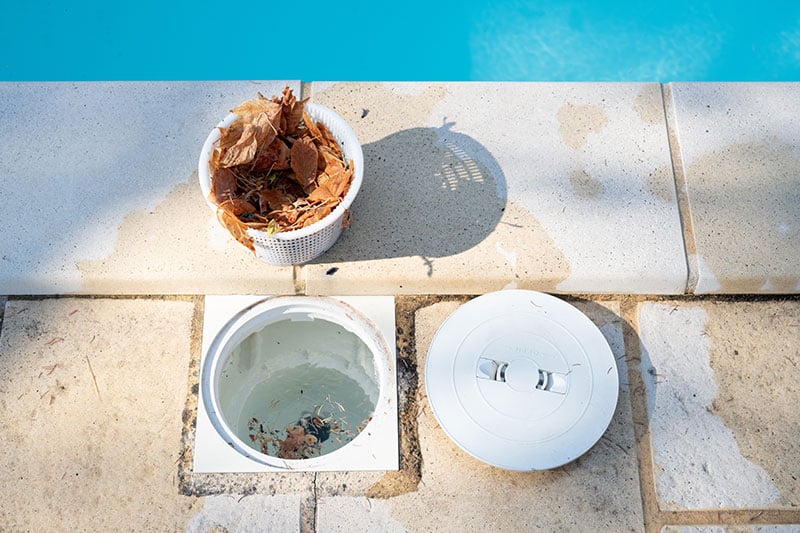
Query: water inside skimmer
(299, 389)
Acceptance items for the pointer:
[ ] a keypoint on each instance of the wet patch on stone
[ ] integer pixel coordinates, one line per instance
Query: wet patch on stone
(756, 360)
(576, 122)
(748, 233)
(649, 104)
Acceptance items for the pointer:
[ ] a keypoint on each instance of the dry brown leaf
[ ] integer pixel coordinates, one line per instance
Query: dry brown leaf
(328, 140)
(285, 219)
(313, 130)
(272, 157)
(243, 150)
(304, 161)
(291, 111)
(275, 157)
(327, 157)
(230, 135)
(248, 109)
(238, 207)
(223, 186)
(266, 130)
(338, 180)
(313, 215)
(274, 200)
(236, 227)
(322, 194)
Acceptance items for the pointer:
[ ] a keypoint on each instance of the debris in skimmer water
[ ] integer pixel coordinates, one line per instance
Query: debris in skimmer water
(303, 439)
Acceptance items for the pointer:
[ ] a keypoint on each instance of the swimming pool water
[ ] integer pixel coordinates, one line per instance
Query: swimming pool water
(548, 40)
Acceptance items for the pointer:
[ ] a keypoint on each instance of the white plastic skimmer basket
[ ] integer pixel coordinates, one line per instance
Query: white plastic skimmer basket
(301, 245)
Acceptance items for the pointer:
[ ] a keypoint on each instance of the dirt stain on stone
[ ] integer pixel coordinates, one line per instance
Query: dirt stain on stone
(744, 200)
(756, 358)
(169, 242)
(436, 182)
(585, 185)
(576, 122)
(649, 105)
(661, 184)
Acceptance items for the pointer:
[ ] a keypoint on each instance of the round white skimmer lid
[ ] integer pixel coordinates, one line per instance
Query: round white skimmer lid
(521, 380)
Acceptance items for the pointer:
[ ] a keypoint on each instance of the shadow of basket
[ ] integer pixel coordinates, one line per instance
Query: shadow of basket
(427, 192)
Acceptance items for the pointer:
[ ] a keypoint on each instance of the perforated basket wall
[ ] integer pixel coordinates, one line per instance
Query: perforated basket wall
(302, 245)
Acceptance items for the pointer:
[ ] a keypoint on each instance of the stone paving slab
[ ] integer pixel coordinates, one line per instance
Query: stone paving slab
(347, 513)
(458, 493)
(255, 513)
(740, 145)
(91, 393)
(731, 529)
(473, 187)
(722, 391)
(102, 178)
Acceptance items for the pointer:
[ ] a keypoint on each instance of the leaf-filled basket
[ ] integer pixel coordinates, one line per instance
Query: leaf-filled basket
(297, 246)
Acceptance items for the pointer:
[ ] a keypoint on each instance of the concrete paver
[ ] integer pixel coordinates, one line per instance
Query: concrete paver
(458, 493)
(346, 513)
(722, 383)
(584, 202)
(740, 144)
(250, 514)
(731, 529)
(472, 187)
(114, 168)
(79, 377)
(91, 393)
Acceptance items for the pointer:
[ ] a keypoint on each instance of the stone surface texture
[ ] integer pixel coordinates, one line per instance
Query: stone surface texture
(249, 514)
(91, 393)
(578, 496)
(345, 514)
(615, 194)
(740, 144)
(475, 187)
(722, 383)
(114, 168)
(731, 529)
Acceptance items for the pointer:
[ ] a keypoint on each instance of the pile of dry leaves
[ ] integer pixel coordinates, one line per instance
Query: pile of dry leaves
(275, 169)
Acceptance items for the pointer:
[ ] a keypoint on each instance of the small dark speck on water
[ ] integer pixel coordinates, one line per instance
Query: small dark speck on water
(301, 391)
(331, 271)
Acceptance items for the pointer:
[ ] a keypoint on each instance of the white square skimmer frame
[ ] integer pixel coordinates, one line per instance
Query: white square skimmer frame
(377, 449)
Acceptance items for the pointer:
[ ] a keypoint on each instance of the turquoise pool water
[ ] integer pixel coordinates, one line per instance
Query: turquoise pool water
(677, 40)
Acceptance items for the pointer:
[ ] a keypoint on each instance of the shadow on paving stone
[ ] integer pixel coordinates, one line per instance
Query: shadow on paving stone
(427, 192)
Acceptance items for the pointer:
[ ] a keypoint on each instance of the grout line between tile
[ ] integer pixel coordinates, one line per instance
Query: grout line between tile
(308, 509)
(681, 189)
(189, 415)
(299, 279)
(3, 300)
(629, 309)
(730, 517)
(306, 90)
